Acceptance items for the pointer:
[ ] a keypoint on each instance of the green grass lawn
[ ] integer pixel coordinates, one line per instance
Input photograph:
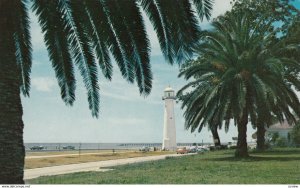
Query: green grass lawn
(219, 167)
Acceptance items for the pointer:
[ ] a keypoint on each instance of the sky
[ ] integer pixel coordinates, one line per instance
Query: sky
(125, 116)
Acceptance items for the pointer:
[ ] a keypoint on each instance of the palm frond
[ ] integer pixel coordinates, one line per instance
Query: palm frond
(55, 37)
(176, 27)
(204, 8)
(99, 30)
(81, 50)
(23, 45)
(123, 39)
(140, 55)
(160, 24)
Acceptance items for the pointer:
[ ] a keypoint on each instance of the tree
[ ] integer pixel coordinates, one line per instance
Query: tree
(262, 122)
(238, 63)
(275, 12)
(295, 134)
(83, 33)
(215, 134)
(291, 33)
(193, 102)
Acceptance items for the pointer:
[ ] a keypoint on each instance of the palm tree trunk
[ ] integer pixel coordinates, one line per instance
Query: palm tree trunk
(216, 137)
(260, 138)
(242, 148)
(11, 125)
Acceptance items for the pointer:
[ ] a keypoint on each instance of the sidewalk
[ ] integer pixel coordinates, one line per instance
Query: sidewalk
(89, 166)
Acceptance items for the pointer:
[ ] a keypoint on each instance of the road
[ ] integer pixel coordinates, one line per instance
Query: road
(66, 155)
(89, 166)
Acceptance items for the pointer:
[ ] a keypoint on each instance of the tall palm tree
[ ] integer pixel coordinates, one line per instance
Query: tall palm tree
(193, 102)
(240, 73)
(83, 33)
(290, 40)
(273, 11)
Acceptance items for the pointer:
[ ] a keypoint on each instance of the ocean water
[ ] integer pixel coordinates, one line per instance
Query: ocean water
(96, 146)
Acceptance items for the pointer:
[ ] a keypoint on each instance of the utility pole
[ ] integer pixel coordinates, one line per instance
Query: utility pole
(79, 149)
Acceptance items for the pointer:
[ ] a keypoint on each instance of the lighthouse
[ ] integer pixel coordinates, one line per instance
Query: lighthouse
(169, 135)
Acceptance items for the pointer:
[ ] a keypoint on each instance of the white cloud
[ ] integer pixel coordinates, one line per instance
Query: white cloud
(155, 48)
(35, 62)
(37, 38)
(128, 121)
(116, 91)
(44, 84)
(220, 7)
(120, 89)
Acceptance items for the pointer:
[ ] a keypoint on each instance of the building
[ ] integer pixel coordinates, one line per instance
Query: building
(169, 135)
(283, 129)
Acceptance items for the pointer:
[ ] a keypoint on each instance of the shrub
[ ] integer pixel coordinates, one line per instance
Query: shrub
(295, 134)
(281, 142)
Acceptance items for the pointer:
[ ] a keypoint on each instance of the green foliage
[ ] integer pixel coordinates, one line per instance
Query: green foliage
(238, 63)
(276, 140)
(274, 137)
(83, 33)
(273, 12)
(293, 33)
(233, 77)
(23, 45)
(281, 142)
(217, 167)
(270, 10)
(295, 134)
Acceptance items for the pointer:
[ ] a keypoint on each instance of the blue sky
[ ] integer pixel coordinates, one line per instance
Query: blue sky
(125, 116)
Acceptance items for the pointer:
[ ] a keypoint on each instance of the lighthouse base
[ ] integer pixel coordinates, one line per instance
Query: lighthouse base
(169, 146)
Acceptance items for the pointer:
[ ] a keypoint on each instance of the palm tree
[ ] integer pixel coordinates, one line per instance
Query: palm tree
(263, 121)
(193, 101)
(290, 40)
(83, 33)
(240, 72)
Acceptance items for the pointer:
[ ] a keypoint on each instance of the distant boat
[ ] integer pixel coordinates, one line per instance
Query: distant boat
(69, 147)
(37, 148)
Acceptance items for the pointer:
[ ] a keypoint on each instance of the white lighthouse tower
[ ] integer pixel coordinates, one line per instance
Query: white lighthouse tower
(169, 139)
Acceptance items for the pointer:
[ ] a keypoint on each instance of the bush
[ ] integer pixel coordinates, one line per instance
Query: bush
(281, 142)
(232, 147)
(295, 134)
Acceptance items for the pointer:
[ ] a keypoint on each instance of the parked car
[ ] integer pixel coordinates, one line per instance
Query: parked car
(37, 148)
(193, 150)
(201, 150)
(182, 150)
(232, 145)
(144, 149)
(69, 147)
(204, 148)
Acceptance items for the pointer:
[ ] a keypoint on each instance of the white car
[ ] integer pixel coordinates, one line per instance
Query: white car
(145, 149)
(204, 148)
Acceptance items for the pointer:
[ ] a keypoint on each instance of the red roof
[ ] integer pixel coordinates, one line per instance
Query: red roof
(281, 126)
